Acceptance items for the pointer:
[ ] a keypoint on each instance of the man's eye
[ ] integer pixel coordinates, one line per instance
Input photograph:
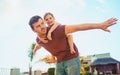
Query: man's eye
(46, 19)
(38, 26)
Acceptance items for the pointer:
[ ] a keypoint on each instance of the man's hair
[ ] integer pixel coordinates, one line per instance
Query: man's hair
(48, 13)
(33, 20)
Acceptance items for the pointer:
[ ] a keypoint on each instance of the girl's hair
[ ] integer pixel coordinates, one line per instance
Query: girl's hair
(48, 13)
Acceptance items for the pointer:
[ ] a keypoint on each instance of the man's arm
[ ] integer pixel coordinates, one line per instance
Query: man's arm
(36, 48)
(88, 26)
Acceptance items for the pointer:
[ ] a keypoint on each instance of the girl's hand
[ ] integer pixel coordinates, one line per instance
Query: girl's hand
(49, 36)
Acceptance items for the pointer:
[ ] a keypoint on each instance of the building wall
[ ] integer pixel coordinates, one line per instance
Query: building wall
(15, 71)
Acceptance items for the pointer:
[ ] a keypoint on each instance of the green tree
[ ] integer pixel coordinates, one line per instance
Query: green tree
(30, 55)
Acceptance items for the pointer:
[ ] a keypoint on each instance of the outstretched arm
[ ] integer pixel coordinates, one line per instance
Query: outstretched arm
(88, 26)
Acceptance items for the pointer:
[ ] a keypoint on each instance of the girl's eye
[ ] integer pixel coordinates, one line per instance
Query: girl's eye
(46, 19)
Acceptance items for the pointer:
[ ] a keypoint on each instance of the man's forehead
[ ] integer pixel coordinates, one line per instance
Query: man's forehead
(40, 20)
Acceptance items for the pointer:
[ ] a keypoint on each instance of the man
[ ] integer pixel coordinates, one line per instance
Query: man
(67, 63)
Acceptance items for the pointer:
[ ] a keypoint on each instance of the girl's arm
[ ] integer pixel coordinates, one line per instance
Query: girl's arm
(52, 29)
(70, 42)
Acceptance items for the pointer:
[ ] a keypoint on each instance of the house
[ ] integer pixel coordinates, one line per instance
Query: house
(106, 66)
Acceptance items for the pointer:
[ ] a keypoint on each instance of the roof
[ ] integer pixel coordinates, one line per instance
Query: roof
(104, 61)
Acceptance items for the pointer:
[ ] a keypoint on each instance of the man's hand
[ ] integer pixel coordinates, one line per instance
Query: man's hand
(50, 59)
(104, 26)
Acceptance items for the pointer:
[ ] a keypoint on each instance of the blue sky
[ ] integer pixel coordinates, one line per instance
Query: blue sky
(16, 35)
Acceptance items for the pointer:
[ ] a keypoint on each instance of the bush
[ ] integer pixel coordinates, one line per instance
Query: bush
(51, 71)
(88, 74)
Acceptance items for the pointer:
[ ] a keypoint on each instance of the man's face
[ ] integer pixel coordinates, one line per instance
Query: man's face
(49, 20)
(39, 27)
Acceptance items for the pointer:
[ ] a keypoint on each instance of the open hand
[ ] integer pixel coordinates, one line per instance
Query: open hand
(104, 26)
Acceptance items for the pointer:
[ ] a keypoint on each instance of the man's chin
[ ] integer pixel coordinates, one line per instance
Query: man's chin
(44, 32)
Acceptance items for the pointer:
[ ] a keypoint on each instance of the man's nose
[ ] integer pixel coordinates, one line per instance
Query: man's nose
(43, 26)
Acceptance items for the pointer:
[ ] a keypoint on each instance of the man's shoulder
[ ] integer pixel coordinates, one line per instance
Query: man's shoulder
(60, 30)
(61, 26)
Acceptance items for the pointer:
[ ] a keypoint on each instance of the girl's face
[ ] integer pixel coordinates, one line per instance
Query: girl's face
(49, 20)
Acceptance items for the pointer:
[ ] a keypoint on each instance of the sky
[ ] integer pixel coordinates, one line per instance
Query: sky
(16, 36)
